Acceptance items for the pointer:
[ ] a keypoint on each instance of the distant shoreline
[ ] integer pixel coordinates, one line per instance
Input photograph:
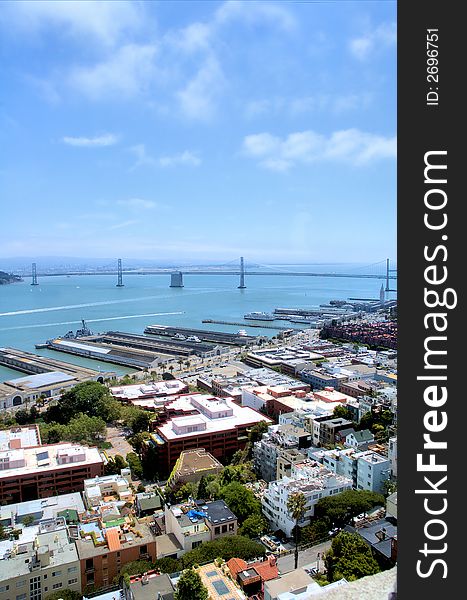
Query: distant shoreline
(6, 278)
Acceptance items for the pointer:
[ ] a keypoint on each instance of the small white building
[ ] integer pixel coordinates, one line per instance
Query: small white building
(309, 478)
(392, 455)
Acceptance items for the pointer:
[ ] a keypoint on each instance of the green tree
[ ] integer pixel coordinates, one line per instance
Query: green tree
(64, 594)
(185, 491)
(349, 557)
(52, 433)
(190, 587)
(253, 526)
(22, 416)
(203, 488)
(138, 420)
(135, 464)
(296, 507)
(213, 489)
(167, 565)
(85, 429)
(224, 547)
(90, 398)
(341, 507)
(115, 465)
(342, 412)
(28, 520)
(240, 500)
(136, 567)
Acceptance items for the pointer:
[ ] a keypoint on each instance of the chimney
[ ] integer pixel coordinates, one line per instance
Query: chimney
(272, 560)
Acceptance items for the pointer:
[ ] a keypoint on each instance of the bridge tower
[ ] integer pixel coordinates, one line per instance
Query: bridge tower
(242, 285)
(34, 274)
(176, 280)
(119, 274)
(387, 276)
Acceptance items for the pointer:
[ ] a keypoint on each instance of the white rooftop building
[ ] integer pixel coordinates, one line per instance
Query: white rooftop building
(309, 478)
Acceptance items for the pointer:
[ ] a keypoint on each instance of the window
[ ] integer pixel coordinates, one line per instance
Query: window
(217, 530)
(231, 526)
(21, 597)
(196, 544)
(56, 586)
(143, 549)
(71, 581)
(224, 528)
(56, 573)
(21, 583)
(4, 588)
(72, 569)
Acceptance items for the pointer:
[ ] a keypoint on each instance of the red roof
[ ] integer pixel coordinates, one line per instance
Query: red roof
(236, 565)
(266, 570)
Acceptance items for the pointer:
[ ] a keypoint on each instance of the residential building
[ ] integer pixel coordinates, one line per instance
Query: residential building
(152, 395)
(392, 455)
(359, 439)
(297, 585)
(192, 465)
(98, 489)
(252, 576)
(367, 469)
(193, 523)
(44, 471)
(219, 586)
(319, 378)
(41, 561)
(309, 478)
(268, 450)
(218, 425)
(381, 537)
(147, 503)
(105, 547)
(328, 428)
(148, 586)
(17, 437)
(68, 506)
(391, 506)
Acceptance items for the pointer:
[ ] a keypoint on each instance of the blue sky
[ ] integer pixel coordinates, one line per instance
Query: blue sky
(199, 130)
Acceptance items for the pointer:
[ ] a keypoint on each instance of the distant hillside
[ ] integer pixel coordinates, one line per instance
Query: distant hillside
(8, 278)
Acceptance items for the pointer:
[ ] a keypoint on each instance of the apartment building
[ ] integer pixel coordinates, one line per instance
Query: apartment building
(218, 425)
(27, 473)
(309, 478)
(43, 560)
(367, 469)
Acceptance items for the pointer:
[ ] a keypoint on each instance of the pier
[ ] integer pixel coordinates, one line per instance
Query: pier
(240, 324)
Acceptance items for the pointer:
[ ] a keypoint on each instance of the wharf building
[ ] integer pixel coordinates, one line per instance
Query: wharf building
(309, 478)
(28, 473)
(288, 359)
(46, 377)
(218, 425)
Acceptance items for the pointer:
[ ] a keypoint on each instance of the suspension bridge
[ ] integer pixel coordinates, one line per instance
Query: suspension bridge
(238, 267)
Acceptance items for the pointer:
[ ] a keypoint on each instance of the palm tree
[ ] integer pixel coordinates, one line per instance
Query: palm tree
(296, 506)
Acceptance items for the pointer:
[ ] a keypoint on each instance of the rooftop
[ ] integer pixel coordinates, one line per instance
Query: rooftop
(46, 508)
(196, 461)
(19, 437)
(40, 380)
(50, 457)
(150, 586)
(218, 414)
(148, 390)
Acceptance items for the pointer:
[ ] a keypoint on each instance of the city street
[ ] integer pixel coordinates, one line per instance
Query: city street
(305, 557)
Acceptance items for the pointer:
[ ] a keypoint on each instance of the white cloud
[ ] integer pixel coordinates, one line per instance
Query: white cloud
(254, 13)
(143, 158)
(125, 73)
(333, 103)
(184, 158)
(108, 139)
(197, 98)
(104, 22)
(138, 203)
(122, 225)
(351, 146)
(383, 36)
